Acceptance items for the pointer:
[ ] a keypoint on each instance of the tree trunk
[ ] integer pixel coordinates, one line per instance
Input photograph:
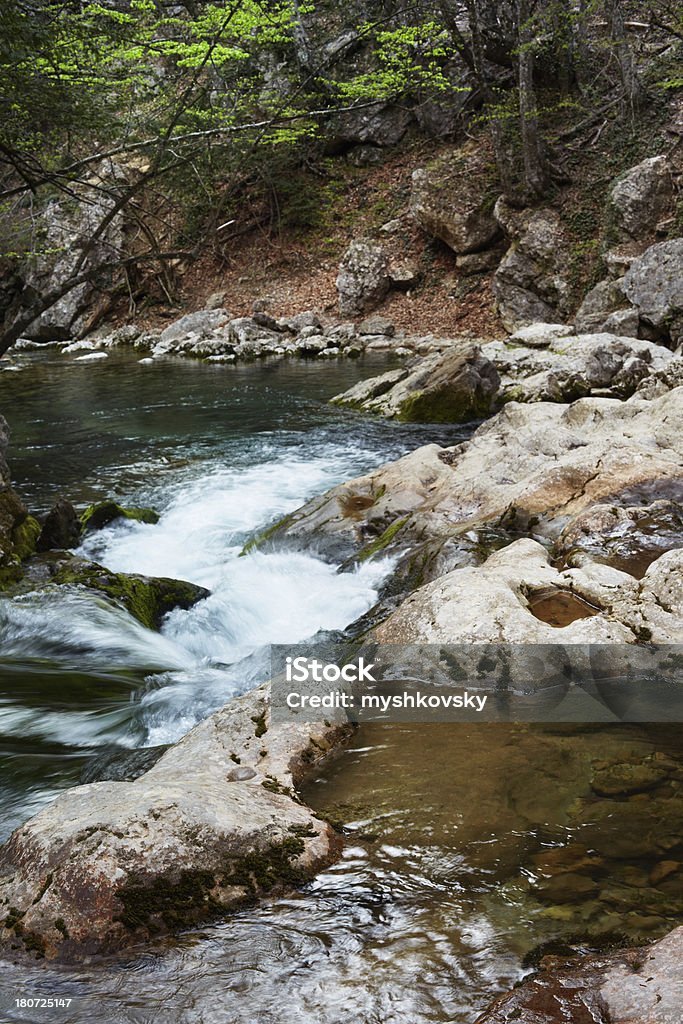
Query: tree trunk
(536, 170)
(634, 94)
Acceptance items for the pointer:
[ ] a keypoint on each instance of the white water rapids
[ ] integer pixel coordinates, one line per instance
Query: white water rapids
(216, 649)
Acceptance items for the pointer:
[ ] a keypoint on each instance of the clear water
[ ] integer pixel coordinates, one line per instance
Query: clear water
(452, 831)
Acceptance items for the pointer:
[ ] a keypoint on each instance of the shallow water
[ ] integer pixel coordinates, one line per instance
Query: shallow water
(466, 846)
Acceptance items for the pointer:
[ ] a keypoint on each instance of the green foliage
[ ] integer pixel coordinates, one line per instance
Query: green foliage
(409, 58)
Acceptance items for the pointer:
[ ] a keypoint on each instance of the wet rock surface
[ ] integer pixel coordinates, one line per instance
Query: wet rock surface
(111, 864)
(634, 986)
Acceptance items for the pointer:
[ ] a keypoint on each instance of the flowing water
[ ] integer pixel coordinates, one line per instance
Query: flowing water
(467, 847)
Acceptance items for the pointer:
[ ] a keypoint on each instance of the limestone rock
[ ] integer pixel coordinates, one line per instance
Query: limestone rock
(363, 279)
(452, 387)
(530, 468)
(571, 367)
(448, 202)
(605, 299)
(654, 285)
(214, 823)
(530, 284)
(642, 197)
(63, 228)
(196, 324)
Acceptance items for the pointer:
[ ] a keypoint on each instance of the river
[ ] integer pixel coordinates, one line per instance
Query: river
(435, 902)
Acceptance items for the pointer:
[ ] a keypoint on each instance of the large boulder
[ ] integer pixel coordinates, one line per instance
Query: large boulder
(449, 201)
(654, 285)
(606, 308)
(147, 598)
(214, 824)
(531, 283)
(450, 387)
(381, 125)
(363, 279)
(641, 198)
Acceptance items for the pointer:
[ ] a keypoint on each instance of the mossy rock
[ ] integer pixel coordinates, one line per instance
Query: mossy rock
(147, 598)
(96, 517)
(25, 537)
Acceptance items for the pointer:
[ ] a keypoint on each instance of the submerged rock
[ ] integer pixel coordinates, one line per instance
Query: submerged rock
(112, 864)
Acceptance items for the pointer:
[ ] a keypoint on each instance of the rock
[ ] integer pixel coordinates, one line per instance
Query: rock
(497, 608)
(297, 323)
(654, 285)
(18, 530)
(629, 538)
(199, 324)
(363, 279)
(213, 824)
(382, 124)
(540, 335)
(626, 779)
(61, 529)
(311, 344)
(96, 517)
(377, 325)
(4, 444)
(658, 383)
(641, 198)
(146, 598)
(453, 387)
(215, 301)
(528, 469)
(601, 302)
(249, 336)
(120, 765)
(642, 985)
(449, 201)
(62, 230)
(573, 366)
(475, 263)
(530, 284)
(404, 274)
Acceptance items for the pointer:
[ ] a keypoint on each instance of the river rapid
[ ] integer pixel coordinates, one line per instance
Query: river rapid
(435, 903)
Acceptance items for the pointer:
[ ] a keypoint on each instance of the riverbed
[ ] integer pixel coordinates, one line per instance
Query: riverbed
(456, 836)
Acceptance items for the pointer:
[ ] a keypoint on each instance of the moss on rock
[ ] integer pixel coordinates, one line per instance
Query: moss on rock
(147, 598)
(25, 537)
(98, 516)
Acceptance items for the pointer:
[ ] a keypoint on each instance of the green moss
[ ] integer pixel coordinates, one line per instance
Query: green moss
(178, 904)
(261, 871)
(271, 784)
(96, 517)
(443, 406)
(60, 925)
(303, 830)
(148, 599)
(24, 537)
(260, 539)
(13, 920)
(260, 723)
(383, 541)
